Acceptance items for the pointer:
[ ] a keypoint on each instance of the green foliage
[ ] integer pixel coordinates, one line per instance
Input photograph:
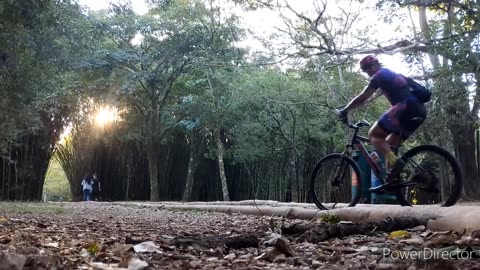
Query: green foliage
(44, 208)
(93, 249)
(330, 218)
(178, 68)
(278, 113)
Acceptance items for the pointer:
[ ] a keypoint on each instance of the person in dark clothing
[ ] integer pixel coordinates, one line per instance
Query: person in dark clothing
(399, 122)
(96, 188)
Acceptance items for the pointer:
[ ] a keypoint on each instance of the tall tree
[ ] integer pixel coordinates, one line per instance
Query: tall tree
(149, 54)
(448, 36)
(37, 55)
(218, 60)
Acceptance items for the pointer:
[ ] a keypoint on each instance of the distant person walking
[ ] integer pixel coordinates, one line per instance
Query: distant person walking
(86, 187)
(96, 188)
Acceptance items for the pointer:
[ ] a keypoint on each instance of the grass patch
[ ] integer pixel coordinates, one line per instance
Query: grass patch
(36, 208)
(193, 212)
(56, 187)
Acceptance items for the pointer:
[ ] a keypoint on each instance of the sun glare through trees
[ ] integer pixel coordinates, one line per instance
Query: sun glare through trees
(105, 115)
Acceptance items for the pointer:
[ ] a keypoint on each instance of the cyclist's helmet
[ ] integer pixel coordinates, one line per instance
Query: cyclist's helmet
(367, 61)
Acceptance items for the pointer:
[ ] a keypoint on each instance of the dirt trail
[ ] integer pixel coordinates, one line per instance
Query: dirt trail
(111, 236)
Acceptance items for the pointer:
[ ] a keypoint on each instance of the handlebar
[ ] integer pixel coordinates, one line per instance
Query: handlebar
(358, 125)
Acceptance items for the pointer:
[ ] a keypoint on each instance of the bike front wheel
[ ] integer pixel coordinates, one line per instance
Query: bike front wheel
(336, 178)
(431, 175)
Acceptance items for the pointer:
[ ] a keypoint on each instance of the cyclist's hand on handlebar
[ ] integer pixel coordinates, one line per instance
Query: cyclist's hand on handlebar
(343, 115)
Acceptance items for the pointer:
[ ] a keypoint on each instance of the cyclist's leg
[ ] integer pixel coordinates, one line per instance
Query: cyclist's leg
(394, 140)
(384, 133)
(409, 119)
(388, 126)
(378, 138)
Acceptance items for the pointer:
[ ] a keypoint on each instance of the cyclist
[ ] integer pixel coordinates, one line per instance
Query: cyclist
(398, 122)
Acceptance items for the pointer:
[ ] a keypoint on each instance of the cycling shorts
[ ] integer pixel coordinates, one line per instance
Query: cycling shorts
(403, 118)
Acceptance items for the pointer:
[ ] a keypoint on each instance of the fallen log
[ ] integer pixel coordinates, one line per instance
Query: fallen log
(315, 232)
(237, 203)
(281, 244)
(457, 218)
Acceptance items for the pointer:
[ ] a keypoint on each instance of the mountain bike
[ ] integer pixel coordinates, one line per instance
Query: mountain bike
(430, 175)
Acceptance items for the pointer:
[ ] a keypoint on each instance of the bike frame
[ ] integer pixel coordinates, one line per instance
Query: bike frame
(359, 142)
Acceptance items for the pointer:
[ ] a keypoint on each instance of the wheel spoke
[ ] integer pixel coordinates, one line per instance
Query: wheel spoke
(436, 176)
(331, 181)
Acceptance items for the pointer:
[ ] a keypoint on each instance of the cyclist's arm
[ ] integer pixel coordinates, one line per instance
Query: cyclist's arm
(357, 101)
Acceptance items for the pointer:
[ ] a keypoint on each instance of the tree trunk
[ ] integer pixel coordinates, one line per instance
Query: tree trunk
(221, 167)
(127, 184)
(294, 175)
(153, 172)
(152, 151)
(424, 28)
(464, 140)
(463, 123)
(192, 165)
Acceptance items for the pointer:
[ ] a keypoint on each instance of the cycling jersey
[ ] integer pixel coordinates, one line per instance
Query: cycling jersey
(403, 118)
(406, 113)
(393, 85)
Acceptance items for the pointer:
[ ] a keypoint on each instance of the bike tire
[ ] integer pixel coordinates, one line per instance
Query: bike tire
(323, 164)
(456, 188)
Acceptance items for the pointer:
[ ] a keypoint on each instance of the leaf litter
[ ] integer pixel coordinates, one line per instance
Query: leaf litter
(122, 236)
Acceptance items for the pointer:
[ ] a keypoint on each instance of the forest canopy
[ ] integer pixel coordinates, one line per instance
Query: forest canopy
(197, 105)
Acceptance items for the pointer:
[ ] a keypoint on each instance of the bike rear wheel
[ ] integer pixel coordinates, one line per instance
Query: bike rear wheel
(331, 181)
(433, 176)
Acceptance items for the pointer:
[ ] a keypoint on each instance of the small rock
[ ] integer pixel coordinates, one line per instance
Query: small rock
(299, 261)
(281, 243)
(239, 264)
(28, 250)
(316, 264)
(272, 255)
(147, 247)
(280, 259)
(247, 257)
(84, 253)
(413, 241)
(476, 234)
(12, 261)
(44, 262)
(5, 240)
(417, 228)
(441, 240)
(195, 264)
(230, 256)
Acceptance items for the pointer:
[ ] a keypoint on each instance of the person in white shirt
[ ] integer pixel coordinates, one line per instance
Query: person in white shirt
(86, 187)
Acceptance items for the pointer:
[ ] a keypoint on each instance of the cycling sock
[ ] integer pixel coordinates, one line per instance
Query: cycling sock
(391, 158)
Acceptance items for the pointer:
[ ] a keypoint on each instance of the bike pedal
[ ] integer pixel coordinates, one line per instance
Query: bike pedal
(378, 191)
(384, 189)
